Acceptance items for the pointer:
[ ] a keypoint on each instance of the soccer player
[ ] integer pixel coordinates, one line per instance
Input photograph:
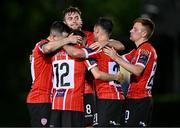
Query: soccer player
(38, 99)
(141, 62)
(110, 94)
(72, 17)
(68, 87)
(110, 102)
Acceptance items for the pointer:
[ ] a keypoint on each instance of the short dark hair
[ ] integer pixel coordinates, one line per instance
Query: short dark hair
(78, 32)
(59, 27)
(148, 24)
(71, 9)
(106, 24)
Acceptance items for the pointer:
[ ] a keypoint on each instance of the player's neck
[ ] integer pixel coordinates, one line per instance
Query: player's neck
(142, 40)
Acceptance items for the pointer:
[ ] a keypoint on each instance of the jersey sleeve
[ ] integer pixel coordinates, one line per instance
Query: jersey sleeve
(129, 56)
(143, 57)
(89, 53)
(90, 63)
(41, 44)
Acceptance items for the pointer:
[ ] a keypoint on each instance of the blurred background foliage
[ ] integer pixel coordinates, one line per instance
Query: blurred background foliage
(24, 23)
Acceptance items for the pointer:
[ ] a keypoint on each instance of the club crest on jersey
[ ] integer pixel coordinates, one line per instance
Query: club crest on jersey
(43, 121)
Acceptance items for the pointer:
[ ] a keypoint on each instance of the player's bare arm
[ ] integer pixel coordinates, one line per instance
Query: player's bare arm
(116, 44)
(111, 43)
(54, 45)
(74, 52)
(105, 76)
(135, 69)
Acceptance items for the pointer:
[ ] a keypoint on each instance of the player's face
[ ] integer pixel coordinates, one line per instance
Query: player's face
(96, 32)
(137, 32)
(73, 20)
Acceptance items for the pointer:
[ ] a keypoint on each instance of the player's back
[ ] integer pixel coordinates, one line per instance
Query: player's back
(68, 82)
(108, 89)
(41, 71)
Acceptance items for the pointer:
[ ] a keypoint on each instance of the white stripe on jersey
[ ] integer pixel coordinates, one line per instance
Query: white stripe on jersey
(117, 92)
(32, 69)
(53, 99)
(86, 52)
(90, 66)
(64, 99)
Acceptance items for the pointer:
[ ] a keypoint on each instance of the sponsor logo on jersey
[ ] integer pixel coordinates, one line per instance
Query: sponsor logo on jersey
(60, 92)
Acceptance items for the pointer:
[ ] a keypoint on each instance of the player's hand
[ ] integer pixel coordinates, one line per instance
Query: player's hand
(120, 77)
(110, 52)
(74, 39)
(95, 45)
(98, 45)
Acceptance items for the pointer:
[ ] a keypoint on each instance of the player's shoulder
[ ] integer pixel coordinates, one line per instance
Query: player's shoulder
(147, 49)
(146, 46)
(38, 46)
(43, 41)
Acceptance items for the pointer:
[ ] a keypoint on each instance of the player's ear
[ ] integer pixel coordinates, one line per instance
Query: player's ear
(53, 37)
(144, 33)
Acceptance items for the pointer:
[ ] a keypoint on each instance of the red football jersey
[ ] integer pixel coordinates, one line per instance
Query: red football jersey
(69, 81)
(89, 79)
(41, 71)
(107, 89)
(89, 38)
(145, 55)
